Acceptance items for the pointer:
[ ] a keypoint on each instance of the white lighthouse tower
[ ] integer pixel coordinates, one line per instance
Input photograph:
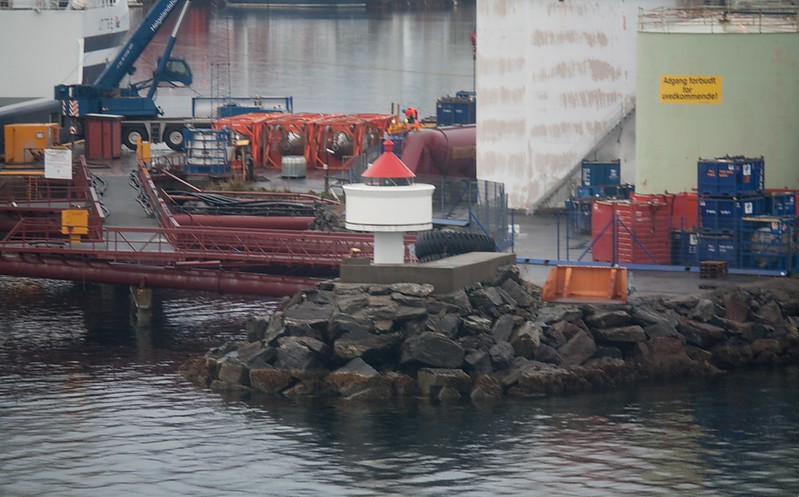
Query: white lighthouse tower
(388, 204)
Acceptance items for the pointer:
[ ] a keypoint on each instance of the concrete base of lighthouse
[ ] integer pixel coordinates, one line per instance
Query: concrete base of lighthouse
(446, 275)
(389, 247)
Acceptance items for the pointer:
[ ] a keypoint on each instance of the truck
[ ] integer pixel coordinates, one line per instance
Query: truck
(141, 118)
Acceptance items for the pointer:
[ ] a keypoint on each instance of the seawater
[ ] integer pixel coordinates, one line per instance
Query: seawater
(344, 61)
(91, 404)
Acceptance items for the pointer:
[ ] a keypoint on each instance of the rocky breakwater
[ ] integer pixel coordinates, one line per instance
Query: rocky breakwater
(496, 339)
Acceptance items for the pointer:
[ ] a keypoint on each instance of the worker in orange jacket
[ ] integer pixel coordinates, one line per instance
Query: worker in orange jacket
(411, 115)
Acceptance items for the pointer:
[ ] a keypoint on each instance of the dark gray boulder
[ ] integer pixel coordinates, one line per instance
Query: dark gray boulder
(475, 325)
(526, 339)
(412, 289)
(366, 345)
(502, 355)
(579, 349)
(301, 354)
(608, 319)
(443, 384)
(477, 362)
(446, 323)
(503, 328)
(357, 379)
(431, 350)
(621, 334)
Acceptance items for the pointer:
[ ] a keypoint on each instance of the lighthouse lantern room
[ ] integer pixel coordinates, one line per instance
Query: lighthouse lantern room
(389, 203)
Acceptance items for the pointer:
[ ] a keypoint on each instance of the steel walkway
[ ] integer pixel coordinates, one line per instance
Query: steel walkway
(267, 262)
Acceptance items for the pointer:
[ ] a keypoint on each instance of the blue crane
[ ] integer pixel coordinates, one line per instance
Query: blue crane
(105, 96)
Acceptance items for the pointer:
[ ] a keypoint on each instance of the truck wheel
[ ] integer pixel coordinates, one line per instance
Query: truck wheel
(173, 137)
(131, 135)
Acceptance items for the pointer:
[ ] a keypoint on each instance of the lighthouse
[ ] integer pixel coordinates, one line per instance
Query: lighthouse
(388, 203)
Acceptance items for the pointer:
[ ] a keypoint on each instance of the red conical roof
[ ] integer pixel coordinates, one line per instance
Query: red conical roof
(388, 165)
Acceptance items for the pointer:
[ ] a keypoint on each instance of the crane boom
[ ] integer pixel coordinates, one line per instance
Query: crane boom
(127, 56)
(106, 96)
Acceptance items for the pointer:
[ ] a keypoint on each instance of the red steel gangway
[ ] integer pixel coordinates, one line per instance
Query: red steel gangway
(228, 260)
(267, 262)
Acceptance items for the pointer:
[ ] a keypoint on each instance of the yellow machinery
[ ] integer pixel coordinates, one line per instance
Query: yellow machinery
(74, 222)
(143, 151)
(597, 284)
(25, 143)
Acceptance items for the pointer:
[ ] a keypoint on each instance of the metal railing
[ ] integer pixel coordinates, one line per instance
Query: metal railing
(774, 17)
(198, 245)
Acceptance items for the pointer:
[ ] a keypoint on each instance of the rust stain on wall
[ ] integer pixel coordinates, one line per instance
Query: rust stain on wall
(495, 128)
(601, 70)
(590, 98)
(597, 69)
(573, 9)
(500, 7)
(595, 39)
(542, 38)
(503, 95)
(502, 65)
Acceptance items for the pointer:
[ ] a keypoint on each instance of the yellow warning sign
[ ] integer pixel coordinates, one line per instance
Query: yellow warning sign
(74, 222)
(675, 89)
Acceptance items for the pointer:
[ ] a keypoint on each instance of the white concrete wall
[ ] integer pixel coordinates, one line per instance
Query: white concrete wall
(553, 78)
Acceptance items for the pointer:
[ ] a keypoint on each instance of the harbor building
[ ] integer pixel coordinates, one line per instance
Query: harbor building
(563, 81)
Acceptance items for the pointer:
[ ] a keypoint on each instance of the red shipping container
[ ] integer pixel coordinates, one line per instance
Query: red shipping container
(685, 211)
(642, 231)
(602, 214)
(655, 198)
(103, 135)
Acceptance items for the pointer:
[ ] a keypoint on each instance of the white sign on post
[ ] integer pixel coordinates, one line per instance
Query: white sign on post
(58, 163)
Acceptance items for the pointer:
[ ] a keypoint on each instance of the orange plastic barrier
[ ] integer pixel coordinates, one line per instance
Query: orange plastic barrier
(598, 284)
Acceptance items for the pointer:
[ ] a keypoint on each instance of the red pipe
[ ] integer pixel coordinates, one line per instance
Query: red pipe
(257, 222)
(147, 276)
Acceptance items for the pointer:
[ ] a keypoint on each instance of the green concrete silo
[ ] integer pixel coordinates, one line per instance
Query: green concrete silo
(715, 82)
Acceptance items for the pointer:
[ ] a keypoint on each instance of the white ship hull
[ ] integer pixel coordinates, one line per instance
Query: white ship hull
(46, 43)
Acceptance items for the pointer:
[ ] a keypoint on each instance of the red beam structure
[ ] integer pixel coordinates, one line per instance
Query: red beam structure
(272, 262)
(143, 276)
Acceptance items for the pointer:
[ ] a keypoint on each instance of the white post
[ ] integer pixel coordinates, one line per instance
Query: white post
(389, 247)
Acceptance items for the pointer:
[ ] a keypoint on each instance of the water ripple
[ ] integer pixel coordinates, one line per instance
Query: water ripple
(84, 412)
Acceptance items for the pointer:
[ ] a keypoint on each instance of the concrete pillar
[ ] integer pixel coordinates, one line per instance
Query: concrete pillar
(143, 300)
(389, 247)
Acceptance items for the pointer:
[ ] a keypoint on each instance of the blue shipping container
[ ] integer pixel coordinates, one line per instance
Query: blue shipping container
(720, 215)
(732, 177)
(456, 110)
(718, 248)
(768, 242)
(781, 204)
(684, 248)
(601, 173)
(579, 215)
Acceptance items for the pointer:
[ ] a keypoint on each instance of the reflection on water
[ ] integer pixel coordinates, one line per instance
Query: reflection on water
(85, 411)
(343, 61)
